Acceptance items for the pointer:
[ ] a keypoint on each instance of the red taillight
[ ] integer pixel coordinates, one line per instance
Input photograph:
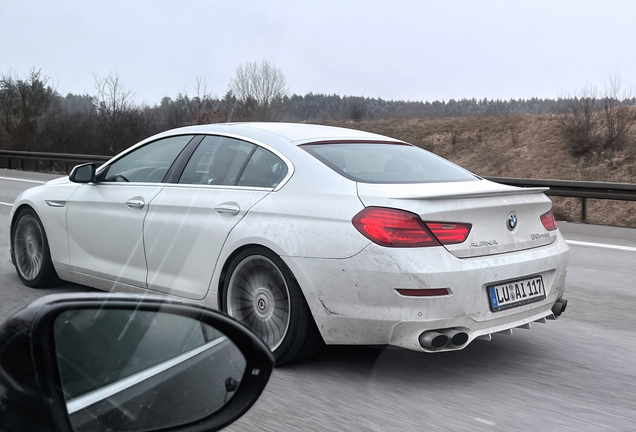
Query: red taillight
(449, 233)
(393, 228)
(547, 219)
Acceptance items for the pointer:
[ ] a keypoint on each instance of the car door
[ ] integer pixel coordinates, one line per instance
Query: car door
(105, 219)
(189, 221)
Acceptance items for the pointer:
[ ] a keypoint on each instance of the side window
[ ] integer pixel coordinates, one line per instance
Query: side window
(216, 161)
(264, 169)
(147, 164)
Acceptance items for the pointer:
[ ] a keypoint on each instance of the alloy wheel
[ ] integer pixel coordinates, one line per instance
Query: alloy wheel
(29, 247)
(258, 296)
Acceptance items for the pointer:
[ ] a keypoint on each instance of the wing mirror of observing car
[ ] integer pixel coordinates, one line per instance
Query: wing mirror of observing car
(84, 173)
(126, 362)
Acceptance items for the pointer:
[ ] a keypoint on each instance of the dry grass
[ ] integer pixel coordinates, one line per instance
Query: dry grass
(523, 146)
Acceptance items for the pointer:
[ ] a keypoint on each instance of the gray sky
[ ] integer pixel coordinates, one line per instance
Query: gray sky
(398, 49)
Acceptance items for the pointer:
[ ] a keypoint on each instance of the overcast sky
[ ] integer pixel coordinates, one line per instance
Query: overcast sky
(398, 49)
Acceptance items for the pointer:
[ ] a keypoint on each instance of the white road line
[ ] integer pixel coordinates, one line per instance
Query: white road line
(601, 245)
(22, 180)
(7, 204)
(109, 390)
(484, 421)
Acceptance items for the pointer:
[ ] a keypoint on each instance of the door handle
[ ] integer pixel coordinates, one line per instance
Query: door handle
(135, 204)
(227, 209)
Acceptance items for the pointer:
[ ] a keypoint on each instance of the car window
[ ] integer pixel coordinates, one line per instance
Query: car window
(264, 169)
(216, 161)
(387, 163)
(147, 164)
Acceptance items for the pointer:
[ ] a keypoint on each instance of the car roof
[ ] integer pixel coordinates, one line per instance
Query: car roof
(297, 133)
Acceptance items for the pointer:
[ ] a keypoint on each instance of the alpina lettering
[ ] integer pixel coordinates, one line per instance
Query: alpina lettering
(484, 243)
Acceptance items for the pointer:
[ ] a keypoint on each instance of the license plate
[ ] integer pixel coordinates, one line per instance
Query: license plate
(516, 293)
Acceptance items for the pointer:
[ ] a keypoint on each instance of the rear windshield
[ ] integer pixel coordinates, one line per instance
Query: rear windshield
(387, 163)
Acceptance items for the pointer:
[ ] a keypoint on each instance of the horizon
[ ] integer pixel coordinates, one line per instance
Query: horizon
(410, 50)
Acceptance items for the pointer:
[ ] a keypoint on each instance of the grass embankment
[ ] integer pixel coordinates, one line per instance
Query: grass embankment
(522, 146)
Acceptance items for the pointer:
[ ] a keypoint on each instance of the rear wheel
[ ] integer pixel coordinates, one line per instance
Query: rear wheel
(31, 255)
(260, 291)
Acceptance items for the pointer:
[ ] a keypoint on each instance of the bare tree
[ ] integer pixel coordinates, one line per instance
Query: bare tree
(202, 106)
(117, 114)
(258, 88)
(22, 104)
(112, 100)
(580, 120)
(618, 118)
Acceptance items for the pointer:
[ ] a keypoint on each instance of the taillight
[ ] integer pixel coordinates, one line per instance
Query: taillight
(547, 219)
(393, 228)
(449, 233)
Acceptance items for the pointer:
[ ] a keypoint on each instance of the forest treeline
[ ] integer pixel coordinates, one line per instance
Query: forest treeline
(35, 117)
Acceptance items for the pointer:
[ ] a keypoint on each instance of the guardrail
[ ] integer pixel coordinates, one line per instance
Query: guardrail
(576, 189)
(53, 162)
(45, 162)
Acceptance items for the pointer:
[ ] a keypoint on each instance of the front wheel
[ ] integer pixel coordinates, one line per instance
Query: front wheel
(31, 255)
(260, 291)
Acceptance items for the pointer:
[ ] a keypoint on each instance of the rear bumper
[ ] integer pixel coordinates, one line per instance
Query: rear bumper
(354, 300)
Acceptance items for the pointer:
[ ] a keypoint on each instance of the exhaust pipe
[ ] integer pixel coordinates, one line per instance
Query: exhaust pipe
(433, 340)
(559, 307)
(456, 337)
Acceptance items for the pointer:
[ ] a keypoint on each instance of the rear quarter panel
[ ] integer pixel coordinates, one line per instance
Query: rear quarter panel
(309, 217)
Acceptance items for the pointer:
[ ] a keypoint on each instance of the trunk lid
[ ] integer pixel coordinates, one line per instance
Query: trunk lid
(486, 205)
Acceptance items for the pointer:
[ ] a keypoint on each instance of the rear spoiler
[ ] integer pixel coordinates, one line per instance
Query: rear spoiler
(476, 194)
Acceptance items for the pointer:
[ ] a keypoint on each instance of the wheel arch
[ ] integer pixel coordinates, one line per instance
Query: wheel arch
(228, 262)
(14, 217)
(306, 337)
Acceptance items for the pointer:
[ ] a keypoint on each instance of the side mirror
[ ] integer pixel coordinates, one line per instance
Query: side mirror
(84, 173)
(126, 362)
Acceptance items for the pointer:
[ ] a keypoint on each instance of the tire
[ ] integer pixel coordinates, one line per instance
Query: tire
(260, 291)
(30, 249)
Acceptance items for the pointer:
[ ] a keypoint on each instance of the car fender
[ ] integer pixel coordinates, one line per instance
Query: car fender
(49, 203)
(285, 222)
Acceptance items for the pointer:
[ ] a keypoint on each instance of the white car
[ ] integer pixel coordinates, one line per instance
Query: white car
(305, 233)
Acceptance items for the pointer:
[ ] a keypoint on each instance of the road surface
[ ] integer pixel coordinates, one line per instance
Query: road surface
(574, 374)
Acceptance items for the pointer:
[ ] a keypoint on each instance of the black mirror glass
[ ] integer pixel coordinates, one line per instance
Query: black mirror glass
(135, 370)
(83, 173)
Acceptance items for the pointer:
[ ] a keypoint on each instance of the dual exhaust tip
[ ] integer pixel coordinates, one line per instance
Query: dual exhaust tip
(453, 338)
(436, 339)
(559, 307)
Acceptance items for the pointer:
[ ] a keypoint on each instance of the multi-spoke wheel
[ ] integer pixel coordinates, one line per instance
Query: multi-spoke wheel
(31, 255)
(259, 297)
(260, 291)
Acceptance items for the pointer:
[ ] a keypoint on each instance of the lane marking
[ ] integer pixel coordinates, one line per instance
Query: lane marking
(484, 421)
(601, 245)
(7, 204)
(92, 397)
(22, 180)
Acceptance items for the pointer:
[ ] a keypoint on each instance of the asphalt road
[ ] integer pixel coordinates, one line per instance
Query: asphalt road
(574, 374)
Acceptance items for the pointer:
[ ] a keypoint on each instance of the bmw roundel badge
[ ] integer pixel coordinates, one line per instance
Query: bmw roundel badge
(512, 221)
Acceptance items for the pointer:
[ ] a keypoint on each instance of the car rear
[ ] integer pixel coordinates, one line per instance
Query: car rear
(451, 256)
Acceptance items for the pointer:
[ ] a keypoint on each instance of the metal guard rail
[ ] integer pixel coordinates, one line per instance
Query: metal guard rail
(564, 188)
(40, 161)
(576, 189)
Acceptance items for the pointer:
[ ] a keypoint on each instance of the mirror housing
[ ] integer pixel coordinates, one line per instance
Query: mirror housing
(30, 375)
(84, 173)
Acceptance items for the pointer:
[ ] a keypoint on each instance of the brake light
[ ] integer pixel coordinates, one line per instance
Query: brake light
(393, 228)
(547, 219)
(449, 233)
